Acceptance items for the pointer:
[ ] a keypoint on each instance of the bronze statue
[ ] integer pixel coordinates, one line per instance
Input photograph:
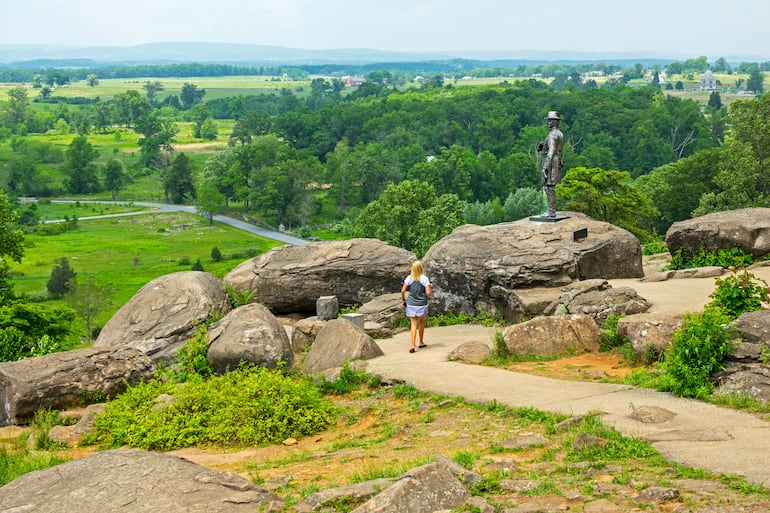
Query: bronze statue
(550, 151)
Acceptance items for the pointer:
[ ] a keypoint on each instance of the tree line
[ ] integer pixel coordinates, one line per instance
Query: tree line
(327, 156)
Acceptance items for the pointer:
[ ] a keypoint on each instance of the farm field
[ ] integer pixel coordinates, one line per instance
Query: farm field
(126, 253)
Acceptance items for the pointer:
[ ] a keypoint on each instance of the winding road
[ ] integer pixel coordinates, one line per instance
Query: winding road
(164, 207)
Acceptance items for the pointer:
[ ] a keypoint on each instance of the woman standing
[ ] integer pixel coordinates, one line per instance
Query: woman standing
(416, 304)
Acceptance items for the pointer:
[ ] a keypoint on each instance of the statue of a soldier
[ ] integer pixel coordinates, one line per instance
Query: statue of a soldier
(550, 151)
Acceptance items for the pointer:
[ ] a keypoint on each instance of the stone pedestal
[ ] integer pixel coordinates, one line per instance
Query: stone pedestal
(327, 308)
(548, 219)
(356, 319)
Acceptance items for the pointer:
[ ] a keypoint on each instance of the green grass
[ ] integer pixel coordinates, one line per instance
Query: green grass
(128, 252)
(19, 461)
(50, 211)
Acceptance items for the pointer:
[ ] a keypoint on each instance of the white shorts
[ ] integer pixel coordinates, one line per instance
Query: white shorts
(416, 311)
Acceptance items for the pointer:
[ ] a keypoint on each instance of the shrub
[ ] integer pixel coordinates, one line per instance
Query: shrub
(216, 255)
(654, 248)
(62, 278)
(250, 406)
(197, 266)
(191, 357)
(740, 293)
(609, 338)
(727, 258)
(698, 349)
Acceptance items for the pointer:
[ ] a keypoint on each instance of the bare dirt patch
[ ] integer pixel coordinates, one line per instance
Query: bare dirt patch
(588, 366)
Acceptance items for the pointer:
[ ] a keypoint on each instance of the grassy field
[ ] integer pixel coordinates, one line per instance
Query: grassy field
(128, 252)
(216, 87)
(50, 211)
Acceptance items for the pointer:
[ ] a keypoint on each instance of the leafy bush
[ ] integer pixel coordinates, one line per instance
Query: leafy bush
(609, 338)
(238, 297)
(740, 293)
(698, 349)
(727, 258)
(28, 329)
(348, 381)
(42, 422)
(253, 406)
(62, 278)
(654, 248)
(191, 357)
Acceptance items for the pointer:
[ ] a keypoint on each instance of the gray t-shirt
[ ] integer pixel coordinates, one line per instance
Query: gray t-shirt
(417, 294)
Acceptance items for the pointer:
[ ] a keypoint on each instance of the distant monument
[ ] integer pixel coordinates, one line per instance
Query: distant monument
(708, 82)
(551, 163)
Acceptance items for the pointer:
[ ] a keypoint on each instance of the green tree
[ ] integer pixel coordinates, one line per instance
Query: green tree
(92, 80)
(676, 188)
(190, 95)
(178, 180)
(255, 123)
(79, 166)
(129, 107)
(410, 215)
(715, 100)
(740, 181)
(157, 136)
(16, 107)
(25, 327)
(199, 114)
(209, 202)
(62, 280)
(89, 298)
(11, 244)
(608, 196)
(522, 203)
(209, 129)
(756, 82)
(114, 176)
(152, 88)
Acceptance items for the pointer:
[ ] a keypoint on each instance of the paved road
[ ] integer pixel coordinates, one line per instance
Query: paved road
(164, 207)
(700, 435)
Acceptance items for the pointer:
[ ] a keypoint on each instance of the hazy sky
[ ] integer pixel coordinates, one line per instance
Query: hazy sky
(687, 28)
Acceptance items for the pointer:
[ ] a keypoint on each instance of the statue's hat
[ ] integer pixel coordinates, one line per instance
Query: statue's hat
(554, 115)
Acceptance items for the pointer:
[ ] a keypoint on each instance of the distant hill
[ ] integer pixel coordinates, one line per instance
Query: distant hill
(31, 56)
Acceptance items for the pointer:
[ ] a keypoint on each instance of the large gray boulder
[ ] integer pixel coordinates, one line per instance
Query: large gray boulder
(480, 268)
(746, 372)
(134, 481)
(431, 487)
(250, 334)
(553, 336)
(599, 299)
(62, 380)
(165, 313)
(748, 229)
(337, 342)
(291, 278)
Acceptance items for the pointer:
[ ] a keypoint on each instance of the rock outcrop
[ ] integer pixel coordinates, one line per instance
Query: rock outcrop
(746, 372)
(599, 299)
(165, 313)
(250, 334)
(748, 229)
(552, 336)
(648, 332)
(337, 342)
(134, 481)
(290, 279)
(480, 268)
(61, 380)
